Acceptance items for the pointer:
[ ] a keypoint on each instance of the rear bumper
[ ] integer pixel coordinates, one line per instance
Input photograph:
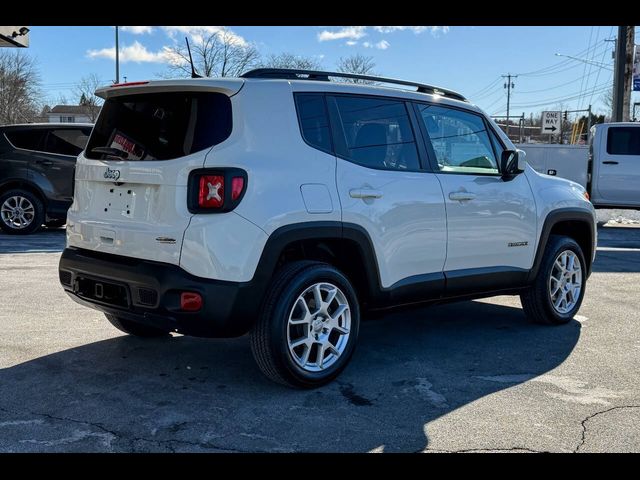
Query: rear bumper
(149, 293)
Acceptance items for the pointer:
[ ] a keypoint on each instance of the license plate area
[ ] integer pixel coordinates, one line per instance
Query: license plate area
(118, 202)
(102, 291)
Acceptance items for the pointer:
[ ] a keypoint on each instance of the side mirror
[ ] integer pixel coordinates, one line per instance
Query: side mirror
(512, 163)
(522, 160)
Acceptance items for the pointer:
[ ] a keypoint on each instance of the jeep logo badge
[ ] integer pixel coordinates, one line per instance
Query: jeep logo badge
(112, 174)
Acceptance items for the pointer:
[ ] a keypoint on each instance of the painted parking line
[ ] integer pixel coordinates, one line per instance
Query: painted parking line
(617, 249)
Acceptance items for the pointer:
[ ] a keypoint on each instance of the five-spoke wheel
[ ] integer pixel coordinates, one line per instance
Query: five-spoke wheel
(308, 326)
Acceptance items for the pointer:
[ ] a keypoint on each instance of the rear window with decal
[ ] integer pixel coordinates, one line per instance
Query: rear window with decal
(159, 126)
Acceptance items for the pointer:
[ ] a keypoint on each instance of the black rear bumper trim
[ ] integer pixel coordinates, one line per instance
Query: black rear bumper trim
(229, 308)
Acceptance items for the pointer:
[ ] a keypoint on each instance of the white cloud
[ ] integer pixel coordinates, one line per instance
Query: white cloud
(381, 45)
(197, 33)
(351, 43)
(137, 30)
(414, 29)
(352, 33)
(135, 52)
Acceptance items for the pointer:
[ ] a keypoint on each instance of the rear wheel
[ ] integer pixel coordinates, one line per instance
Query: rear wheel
(21, 212)
(308, 328)
(557, 292)
(135, 329)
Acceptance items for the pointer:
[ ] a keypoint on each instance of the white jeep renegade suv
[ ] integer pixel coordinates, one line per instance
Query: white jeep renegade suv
(283, 204)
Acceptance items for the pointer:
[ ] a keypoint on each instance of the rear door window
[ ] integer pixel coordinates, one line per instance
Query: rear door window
(160, 126)
(623, 141)
(314, 120)
(377, 133)
(28, 139)
(66, 141)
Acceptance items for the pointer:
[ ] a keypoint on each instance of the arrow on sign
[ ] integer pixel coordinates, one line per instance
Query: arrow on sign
(552, 128)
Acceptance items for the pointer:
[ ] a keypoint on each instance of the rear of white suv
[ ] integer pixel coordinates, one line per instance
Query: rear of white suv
(140, 182)
(280, 203)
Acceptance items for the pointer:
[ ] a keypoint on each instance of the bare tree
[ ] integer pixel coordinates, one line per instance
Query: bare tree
(289, 60)
(85, 92)
(607, 100)
(219, 54)
(358, 64)
(19, 87)
(62, 99)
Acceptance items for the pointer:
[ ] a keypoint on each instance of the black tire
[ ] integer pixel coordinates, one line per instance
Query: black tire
(536, 300)
(269, 343)
(55, 223)
(135, 329)
(38, 217)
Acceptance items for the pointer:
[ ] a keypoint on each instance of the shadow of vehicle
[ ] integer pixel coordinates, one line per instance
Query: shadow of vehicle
(190, 394)
(618, 249)
(45, 240)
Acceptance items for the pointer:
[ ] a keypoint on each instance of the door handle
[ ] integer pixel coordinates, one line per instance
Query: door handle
(365, 193)
(44, 162)
(610, 162)
(462, 196)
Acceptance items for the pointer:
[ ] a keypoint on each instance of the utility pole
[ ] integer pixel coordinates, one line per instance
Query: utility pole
(622, 74)
(628, 73)
(117, 58)
(508, 85)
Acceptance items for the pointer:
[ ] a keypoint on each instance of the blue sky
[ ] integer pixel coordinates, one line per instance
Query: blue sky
(468, 59)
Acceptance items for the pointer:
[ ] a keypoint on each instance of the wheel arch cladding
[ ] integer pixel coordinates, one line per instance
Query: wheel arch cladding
(345, 246)
(24, 185)
(575, 223)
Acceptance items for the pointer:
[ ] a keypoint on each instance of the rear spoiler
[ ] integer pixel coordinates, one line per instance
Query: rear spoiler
(228, 86)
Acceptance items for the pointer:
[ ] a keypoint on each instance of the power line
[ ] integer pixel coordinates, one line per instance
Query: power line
(553, 87)
(584, 67)
(548, 69)
(494, 102)
(591, 64)
(489, 94)
(560, 70)
(573, 96)
(482, 90)
(601, 60)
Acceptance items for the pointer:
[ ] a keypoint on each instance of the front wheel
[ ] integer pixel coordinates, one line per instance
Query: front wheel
(308, 327)
(557, 292)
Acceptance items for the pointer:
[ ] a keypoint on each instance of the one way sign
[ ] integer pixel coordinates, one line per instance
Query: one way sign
(551, 122)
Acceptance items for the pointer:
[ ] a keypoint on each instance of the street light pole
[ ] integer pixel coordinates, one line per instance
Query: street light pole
(117, 58)
(584, 60)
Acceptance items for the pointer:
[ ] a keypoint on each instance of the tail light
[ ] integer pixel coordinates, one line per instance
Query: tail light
(215, 191)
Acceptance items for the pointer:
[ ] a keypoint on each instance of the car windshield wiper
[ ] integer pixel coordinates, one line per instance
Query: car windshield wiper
(113, 152)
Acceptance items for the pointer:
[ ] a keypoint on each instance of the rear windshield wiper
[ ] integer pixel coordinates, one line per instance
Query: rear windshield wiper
(112, 152)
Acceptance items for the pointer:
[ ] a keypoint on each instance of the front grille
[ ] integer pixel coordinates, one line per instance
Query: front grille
(147, 296)
(65, 277)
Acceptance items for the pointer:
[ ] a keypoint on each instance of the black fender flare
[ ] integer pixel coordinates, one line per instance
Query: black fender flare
(336, 230)
(553, 218)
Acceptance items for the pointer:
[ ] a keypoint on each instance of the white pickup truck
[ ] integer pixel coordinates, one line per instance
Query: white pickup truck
(609, 167)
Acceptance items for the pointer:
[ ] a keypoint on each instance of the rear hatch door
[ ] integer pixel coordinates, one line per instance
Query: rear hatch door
(131, 181)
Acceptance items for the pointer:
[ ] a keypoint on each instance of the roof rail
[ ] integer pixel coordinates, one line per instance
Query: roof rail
(294, 74)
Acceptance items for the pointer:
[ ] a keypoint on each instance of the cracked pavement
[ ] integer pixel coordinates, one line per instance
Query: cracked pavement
(466, 377)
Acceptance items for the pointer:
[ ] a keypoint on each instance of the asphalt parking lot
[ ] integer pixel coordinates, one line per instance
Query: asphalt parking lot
(466, 377)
